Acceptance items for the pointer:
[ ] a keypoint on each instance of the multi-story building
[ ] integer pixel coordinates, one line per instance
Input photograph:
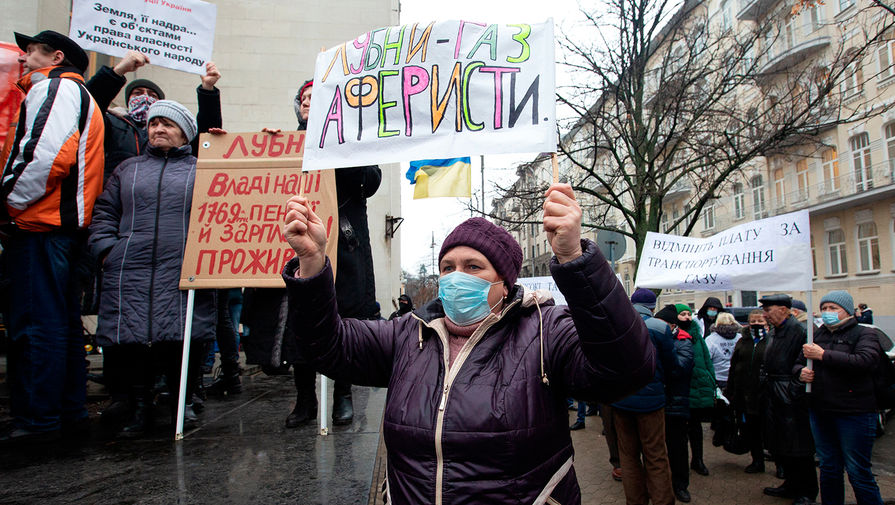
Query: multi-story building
(264, 51)
(844, 174)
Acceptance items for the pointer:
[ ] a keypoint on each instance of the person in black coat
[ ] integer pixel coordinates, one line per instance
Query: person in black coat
(677, 404)
(787, 431)
(743, 385)
(842, 400)
(405, 305)
(270, 342)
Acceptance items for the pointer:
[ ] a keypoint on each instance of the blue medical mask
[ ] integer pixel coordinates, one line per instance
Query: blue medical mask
(830, 318)
(711, 312)
(464, 297)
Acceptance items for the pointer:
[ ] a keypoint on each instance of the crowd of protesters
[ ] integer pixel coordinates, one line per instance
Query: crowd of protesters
(98, 200)
(749, 382)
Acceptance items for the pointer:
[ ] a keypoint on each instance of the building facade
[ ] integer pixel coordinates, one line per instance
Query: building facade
(843, 173)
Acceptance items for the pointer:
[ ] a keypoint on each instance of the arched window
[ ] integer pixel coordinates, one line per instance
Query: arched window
(758, 199)
(739, 201)
(868, 247)
(836, 247)
(830, 160)
(860, 148)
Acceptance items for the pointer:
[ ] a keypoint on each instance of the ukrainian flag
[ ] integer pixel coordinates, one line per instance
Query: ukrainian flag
(434, 178)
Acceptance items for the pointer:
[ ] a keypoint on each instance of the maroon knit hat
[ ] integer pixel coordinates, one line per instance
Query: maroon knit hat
(494, 242)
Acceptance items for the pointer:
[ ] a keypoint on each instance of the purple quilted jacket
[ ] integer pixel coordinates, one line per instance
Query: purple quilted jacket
(494, 427)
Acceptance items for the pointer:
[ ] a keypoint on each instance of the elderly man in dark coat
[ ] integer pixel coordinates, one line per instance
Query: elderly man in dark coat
(787, 430)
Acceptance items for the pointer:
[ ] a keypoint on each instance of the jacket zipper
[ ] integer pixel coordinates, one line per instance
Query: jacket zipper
(158, 208)
(448, 382)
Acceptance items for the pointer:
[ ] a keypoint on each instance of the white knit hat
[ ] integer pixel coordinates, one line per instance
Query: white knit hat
(175, 112)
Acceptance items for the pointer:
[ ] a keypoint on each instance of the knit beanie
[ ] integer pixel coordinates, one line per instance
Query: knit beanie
(842, 299)
(644, 297)
(177, 113)
(799, 304)
(143, 83)
(491, 240)
(681, 307)
(668, 314)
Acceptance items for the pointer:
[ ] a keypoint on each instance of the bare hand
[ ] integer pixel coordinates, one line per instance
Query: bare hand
(813, 351)
(272, 131)
(306, 234)
(562, 222)
(806, 375)
(131, 62)
(217, 131)
(211, 76)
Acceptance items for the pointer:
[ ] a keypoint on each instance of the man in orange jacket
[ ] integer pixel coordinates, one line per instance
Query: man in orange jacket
(51, 178)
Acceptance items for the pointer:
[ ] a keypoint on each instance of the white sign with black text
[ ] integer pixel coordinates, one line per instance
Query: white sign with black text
(177, 34)
(771, 254)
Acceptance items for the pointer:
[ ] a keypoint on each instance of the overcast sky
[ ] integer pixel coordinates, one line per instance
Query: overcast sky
(424, 217)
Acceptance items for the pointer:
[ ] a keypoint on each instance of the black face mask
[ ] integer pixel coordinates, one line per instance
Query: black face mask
(404, 306)
(756, 326)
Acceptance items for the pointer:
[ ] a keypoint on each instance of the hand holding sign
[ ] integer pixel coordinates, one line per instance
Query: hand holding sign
(562, 222)
(306, 233)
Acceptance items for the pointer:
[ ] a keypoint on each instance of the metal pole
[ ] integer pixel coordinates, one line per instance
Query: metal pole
(184, 362)
(483, 184)
(810, 327)
(324, 429)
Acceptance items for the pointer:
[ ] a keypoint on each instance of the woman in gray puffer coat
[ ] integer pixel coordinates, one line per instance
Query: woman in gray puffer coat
(138, 232)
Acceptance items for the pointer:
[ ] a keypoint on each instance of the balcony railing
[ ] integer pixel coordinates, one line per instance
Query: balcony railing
(785, 52)
(750, 10)
(847, 184)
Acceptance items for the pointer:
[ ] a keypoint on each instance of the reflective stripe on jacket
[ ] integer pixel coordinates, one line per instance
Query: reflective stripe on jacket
(54, 172)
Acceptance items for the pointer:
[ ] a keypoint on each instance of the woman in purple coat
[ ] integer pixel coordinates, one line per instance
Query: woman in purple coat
(477, 379)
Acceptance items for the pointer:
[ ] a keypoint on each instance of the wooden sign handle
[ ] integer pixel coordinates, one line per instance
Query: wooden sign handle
(555, 168)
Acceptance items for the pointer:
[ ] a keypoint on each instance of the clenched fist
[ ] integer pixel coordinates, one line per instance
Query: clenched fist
(306, 234)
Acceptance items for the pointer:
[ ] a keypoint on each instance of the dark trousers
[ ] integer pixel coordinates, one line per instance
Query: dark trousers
(146, 363)
(845, 442)
(641, 446)
(46, 361)
(752, 430)
(801, 475)
(694, 431)
(226, 335)
(306, 382)
(676, 441)
(610, 434)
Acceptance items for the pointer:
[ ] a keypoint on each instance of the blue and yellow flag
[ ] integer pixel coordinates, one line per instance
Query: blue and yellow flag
(434, 178)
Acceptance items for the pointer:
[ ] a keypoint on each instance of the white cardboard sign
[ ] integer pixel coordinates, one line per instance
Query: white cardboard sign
(442, 90)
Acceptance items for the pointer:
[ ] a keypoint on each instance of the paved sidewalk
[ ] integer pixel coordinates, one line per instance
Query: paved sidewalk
(726, 483)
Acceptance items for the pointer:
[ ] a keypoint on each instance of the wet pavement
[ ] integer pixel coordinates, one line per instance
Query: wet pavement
(240, 453)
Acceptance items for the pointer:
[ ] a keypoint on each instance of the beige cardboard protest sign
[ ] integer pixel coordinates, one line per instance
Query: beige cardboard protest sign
(243, 181)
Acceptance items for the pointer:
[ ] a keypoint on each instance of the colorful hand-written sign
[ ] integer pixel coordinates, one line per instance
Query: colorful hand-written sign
(176, 34)
(239, 207)
(443, 90)
(770, 254)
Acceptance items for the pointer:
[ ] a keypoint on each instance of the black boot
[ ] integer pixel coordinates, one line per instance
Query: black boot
(699, 467)
(138, 424)
(305, 410)
(305, 397)
(343, 410)
(113, 416)
(227, 383)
